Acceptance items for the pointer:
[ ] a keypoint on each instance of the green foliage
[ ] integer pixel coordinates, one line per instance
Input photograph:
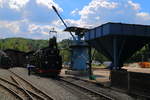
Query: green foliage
(97, 56)
(64, 49)
(22, 44)
(27, 45)
(65, 55)
(141, 55)
(64, 44)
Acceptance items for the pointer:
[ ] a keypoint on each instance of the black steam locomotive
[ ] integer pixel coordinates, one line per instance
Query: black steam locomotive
(47, 61)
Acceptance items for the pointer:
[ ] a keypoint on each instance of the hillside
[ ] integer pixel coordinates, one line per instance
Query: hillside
(22, 44)
(27, 45)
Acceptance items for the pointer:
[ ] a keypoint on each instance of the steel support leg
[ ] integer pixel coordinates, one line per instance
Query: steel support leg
(90, 62)
(115, 53)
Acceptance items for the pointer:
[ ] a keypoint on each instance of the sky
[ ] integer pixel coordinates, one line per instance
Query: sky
(35, 18)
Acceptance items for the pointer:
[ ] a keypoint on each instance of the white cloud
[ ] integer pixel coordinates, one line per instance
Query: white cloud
(75, 11)
(49, 3)
(70, 22)
(97, 17)
(91, 13)
(35, 19)
(135, 6)
(17, 4)
(94, 5)
(24, 28)
(98, 12)
(1, 3)
(12, 27)
(13, 4)
(29, 18)
(43, 29)
(144, 15)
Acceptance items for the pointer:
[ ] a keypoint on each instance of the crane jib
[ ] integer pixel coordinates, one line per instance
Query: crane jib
(63, 21)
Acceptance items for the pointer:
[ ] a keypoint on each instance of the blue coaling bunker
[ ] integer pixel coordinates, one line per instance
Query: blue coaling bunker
(118, 41)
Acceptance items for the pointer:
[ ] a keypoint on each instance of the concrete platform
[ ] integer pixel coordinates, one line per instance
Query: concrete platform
(137, 69)
(101, 74)
(76, 72)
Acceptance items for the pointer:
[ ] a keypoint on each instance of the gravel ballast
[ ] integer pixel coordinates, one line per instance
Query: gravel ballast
(47, 85)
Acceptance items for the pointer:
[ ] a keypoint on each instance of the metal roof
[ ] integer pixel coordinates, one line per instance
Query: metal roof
(118, 29)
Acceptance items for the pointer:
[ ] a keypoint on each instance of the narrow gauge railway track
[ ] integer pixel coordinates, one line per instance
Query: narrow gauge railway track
(11, 91)
(94, 95)
(19, 91)
(14, 89)
(75, 91)
(32, 91)
(98, 87)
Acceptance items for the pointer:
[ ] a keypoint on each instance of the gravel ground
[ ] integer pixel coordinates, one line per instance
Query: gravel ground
(106, 91)
(58, 91)
(5, 95)
(102, 76)
(4, 73)
(48, 85)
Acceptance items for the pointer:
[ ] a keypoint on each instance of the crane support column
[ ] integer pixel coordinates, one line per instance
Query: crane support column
(80, 60)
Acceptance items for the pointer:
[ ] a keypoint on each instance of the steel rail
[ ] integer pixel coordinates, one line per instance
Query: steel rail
(29, 95)
(30, 92)
(11, 91)
(34, 86)
(18, 86)
(89, 90)
(74, 90)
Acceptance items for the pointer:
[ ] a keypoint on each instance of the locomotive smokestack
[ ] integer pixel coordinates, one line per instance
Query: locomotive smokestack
(53, 42)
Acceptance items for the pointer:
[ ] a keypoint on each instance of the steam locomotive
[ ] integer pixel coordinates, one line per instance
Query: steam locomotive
(47, 61)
